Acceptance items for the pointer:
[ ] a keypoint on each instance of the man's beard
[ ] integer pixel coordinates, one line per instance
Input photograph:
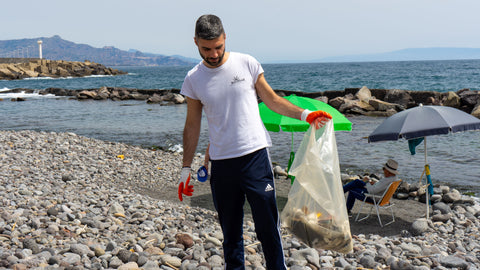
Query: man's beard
(213, 64)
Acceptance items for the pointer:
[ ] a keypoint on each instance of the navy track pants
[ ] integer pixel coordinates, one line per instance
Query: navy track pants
(248, 177)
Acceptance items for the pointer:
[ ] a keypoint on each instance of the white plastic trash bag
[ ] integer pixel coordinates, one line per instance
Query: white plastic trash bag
(315, 211)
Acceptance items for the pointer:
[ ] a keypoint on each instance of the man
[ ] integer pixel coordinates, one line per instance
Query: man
(357, 188)
(225, 86)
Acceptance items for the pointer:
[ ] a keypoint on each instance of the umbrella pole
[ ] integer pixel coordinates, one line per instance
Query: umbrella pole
(427, 201)
(292, 141)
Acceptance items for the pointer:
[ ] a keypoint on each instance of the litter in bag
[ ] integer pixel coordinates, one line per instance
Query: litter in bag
(315, 211)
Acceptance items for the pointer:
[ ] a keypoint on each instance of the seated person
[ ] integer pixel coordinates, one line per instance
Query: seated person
(357, 188)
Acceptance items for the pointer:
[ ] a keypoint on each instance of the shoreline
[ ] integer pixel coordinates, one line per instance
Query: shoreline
(66, 196)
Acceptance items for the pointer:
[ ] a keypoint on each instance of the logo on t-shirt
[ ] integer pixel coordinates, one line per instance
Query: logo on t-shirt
(237, 79)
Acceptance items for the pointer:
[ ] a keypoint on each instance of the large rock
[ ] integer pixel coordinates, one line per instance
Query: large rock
(323, 99)
(424, 97)
(419, 226)
(451, 99)
(178, 99)
(336, 102)
(364, 94)
(401, 97)
(468, 99)
(452, 196)
(355, 106)
(156, 98)
(102, 93)
(62, 72)
(476, 111)
(7, 74)
(386, 113)
(138, 96)
(31, 73)
(87, 94)
(380, 105)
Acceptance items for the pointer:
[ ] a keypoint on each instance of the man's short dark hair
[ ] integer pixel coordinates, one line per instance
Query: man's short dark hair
(208, 27)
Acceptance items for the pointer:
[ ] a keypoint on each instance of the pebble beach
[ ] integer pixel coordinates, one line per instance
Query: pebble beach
(72, 202)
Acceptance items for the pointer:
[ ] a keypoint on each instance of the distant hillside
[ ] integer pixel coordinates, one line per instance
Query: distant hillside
(412, 54)
(56, 48)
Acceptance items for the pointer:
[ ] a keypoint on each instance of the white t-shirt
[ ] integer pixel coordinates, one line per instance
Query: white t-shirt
(230, 103)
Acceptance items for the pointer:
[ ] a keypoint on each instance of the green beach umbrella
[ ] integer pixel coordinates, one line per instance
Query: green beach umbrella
(274, 121)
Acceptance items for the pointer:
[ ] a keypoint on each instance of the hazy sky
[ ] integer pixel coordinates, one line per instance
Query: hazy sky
(270, 30)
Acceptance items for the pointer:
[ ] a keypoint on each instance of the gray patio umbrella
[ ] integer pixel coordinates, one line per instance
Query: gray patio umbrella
(422, 121)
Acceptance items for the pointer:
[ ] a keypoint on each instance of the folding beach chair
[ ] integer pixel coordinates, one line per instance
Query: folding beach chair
(377, 202)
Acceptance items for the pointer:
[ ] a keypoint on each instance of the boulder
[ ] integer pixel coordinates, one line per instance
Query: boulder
(441, 217)
(442, 207)
(137, 96)
(178, 99)
(323, 99)
(424, 97)
(61, 72)
(452, 196)
(336, 102)
(387, 113)
(451, 99)
(31, 73)
(364, 94)
(86, 94)
(404, 187)
(468, 98)
(6, 73)
(401, 97)
(355, 106)
(14, 69)
(476, 110)
(419, 226)
(278, 171)
(42, 70)
(155, 98)
(380, 105)
(102, 93)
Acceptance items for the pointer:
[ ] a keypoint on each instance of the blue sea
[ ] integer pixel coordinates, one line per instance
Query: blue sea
(453, 158)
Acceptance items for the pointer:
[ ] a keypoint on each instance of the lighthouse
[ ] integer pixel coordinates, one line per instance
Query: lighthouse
(39, 49)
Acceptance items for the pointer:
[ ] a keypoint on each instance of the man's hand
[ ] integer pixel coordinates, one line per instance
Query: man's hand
(319, 118)
(367, 179)
(183, 184)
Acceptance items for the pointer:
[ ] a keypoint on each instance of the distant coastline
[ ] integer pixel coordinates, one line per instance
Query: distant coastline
(410, 54)
(61, 49)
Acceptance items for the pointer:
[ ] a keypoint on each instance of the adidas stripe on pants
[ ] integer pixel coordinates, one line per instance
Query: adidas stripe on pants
(234, 180)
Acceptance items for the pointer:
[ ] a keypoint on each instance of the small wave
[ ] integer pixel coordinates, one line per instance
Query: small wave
(39, 78)
(4, 89)
(25, 95)
(66, 78)
(176, 148)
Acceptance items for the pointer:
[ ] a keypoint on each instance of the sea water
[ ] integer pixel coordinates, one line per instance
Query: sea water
(452, 157)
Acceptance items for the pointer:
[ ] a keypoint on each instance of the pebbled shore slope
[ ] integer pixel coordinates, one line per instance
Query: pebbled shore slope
(71, 202)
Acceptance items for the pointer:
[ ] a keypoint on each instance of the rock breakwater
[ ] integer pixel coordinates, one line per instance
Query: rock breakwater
(71, 202)
(357, 101)
(54, 69)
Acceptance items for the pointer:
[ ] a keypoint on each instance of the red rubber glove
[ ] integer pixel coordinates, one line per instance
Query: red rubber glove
(319, 118)
(183, 184)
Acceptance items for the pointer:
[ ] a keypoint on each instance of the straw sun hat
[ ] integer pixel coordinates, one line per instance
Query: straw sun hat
(391, 166)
